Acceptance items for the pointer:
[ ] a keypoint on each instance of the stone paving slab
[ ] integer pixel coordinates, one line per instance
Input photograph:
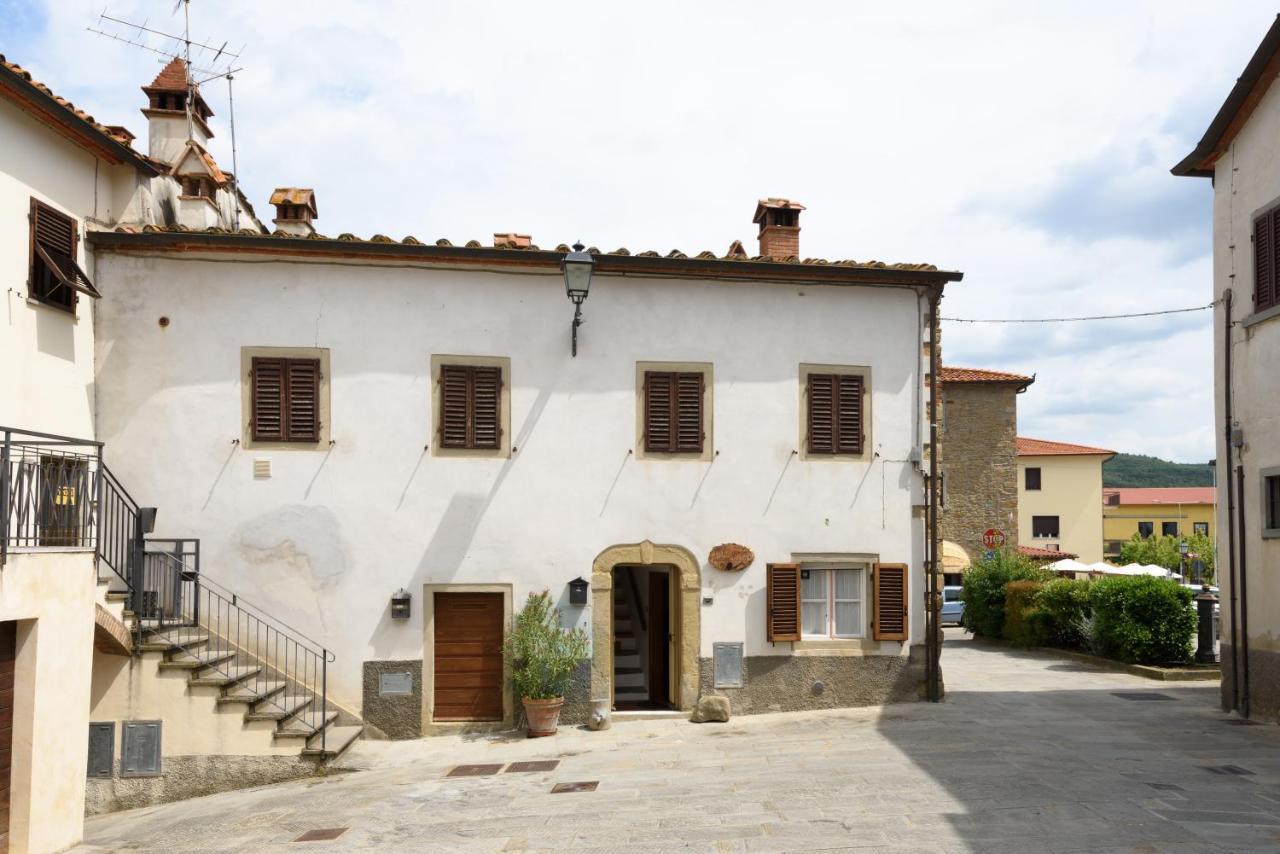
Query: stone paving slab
(1024, 756)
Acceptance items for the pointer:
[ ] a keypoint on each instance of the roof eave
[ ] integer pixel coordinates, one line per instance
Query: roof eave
(606, 264)
(72, 126)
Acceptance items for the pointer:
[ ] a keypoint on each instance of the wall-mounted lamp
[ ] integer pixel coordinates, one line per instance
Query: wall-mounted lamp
(400, 604)
(577, 266)
(578, 591)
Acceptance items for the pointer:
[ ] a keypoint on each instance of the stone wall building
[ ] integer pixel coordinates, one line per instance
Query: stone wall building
(979, 426)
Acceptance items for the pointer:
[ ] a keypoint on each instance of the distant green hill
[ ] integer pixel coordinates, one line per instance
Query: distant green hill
(1141, 470)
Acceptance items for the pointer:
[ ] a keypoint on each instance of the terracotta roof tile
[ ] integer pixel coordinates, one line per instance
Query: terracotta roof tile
(1053, 554)
(1162, 495)
(1045, 448)
(951, 374)
(172, 78)
(293, 196)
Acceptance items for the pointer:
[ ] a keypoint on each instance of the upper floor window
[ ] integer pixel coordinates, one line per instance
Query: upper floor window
(1033, 479)
(286, 400)
(1271, 503)
(674, 409)
(835, 411)
(472, 405)
(1200, 528)
(1168, 529)
(1045, 527)
(1146, 529)
(1266, 260)
(54, 277)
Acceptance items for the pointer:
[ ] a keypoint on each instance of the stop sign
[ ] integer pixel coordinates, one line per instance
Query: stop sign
(992, 538)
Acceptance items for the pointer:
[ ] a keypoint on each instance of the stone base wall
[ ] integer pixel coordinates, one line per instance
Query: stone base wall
(1264, 683)
(791, 683)
(577, 699)
(185, 777)
(393, 716)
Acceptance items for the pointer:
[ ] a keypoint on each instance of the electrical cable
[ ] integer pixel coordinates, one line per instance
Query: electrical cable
(1078, 319)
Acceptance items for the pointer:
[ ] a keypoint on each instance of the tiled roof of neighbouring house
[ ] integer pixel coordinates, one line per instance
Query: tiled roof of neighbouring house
(1160, 495)
(1045, 448)
(952, 374)
(1050, 554)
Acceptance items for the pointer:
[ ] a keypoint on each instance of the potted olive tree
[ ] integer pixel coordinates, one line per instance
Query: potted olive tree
(542, 655)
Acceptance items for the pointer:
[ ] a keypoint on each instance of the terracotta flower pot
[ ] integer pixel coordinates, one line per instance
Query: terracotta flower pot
(543, 716)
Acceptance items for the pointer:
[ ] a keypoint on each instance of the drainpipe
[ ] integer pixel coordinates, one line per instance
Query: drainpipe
(1244, 596)
(933, 647)
(1231, 531)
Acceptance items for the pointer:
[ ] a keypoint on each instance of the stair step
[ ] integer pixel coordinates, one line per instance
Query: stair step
(301, 727)
(186, 661)
(158, 643)
(624, 634)
(278, 707)
(226, 675)
(628, 690)
(627, 671)
(336, 740)
(252, 692)
(117, 595)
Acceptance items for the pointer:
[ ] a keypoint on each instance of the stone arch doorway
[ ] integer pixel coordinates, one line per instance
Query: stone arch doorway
(685, 622)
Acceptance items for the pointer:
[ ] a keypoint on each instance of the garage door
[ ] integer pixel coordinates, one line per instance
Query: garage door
(8, 651)
(468, 657)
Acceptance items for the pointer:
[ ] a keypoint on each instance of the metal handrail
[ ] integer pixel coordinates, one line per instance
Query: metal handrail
(58, 440)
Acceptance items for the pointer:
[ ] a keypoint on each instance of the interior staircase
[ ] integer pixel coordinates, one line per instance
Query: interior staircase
(628, 667)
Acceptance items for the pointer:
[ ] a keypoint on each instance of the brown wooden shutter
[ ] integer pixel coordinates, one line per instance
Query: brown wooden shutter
(455, 399)
(659, 395)
(848, 438)
(821, 414)
(783, 601)
(688, 412)
(1266, 236)
(267, 422)
(53, 255)
(302, 400)
(486, 402)
(889, 620)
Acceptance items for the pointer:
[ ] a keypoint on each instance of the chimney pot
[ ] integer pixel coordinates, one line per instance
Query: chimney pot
(779, 221)
(295, 209)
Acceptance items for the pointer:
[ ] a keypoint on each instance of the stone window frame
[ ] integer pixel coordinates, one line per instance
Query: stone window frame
(503, 364)
(868, 436)
(707, 369)
(1264, 475)
(847, 647)
(433, 727)
(323, 437)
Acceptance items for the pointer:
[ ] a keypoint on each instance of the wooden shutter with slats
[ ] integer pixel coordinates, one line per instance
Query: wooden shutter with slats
(470, 407)
(285, 399)
(834, 414)
(783, 602)
(889, 618)
(55, 276)
(673, 412)
(1266, 246)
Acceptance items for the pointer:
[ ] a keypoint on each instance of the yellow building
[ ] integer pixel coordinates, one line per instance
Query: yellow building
(1060, 497)
(1176, 511)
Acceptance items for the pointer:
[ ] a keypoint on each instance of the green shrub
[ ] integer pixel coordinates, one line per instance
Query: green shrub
(542, 654)
(984, 584)
(1062, 607)
(1021, 618)
(1163, 551)
(1143, 619)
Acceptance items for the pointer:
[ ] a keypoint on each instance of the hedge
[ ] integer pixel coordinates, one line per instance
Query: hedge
(1063, 612)
(1142, 619)
(1021, 623)
(984, 589)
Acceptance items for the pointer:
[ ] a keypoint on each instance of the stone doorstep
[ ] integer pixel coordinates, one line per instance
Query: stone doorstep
(1189, 673)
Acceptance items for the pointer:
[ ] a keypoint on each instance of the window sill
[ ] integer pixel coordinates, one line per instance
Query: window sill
(842, 647)
(1271, 533)
(61, 309)
(1260, 316)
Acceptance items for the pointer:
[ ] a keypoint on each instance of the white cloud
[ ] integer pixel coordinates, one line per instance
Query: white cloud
(1026, 145)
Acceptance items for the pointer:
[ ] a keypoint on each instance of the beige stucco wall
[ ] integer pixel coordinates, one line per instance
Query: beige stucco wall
(979, 433)
(1121, 523)
(51, 595)
(1071, 489)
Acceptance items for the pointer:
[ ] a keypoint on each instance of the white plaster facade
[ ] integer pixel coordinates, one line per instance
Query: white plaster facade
(326, 539)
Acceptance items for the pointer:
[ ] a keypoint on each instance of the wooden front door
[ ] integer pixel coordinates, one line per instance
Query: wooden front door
(8, 655)
(468, 657)
(659, 637)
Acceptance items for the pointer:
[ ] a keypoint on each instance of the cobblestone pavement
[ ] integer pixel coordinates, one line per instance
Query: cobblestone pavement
(1028, 753)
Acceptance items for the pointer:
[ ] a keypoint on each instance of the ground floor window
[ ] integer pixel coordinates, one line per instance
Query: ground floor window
(831, 601)
(1146, 529)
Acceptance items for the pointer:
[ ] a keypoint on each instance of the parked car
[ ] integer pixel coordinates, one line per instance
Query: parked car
(952, 605)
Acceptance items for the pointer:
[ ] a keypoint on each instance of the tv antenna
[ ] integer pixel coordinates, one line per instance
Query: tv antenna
(216, 62)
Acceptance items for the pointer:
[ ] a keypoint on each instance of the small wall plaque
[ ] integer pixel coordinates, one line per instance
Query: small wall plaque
(731, 557)
(395, 684)
(728, 664)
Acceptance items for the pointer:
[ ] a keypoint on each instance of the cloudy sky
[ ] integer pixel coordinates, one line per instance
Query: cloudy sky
(1025, 144)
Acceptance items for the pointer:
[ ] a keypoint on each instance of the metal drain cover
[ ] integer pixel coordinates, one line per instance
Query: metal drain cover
(474, 770)
(562, 788)
(1141, 695)
(538, 765)
(1232, 770)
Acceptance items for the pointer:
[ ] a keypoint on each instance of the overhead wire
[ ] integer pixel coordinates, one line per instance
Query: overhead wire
(1079, 319)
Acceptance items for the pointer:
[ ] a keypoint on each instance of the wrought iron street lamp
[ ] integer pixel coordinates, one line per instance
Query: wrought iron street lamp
(577, 267)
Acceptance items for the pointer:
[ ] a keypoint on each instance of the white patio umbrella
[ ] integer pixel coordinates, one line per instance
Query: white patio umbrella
(1069, 565)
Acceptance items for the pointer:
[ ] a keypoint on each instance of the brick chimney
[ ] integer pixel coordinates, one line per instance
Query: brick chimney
(166, 113)
(295, 210)
(779, 221)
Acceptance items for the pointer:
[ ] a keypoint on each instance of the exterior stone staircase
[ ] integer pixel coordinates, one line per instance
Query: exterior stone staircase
(628, 668)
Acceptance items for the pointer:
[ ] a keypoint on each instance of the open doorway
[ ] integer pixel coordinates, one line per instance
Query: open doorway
(642, 637)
